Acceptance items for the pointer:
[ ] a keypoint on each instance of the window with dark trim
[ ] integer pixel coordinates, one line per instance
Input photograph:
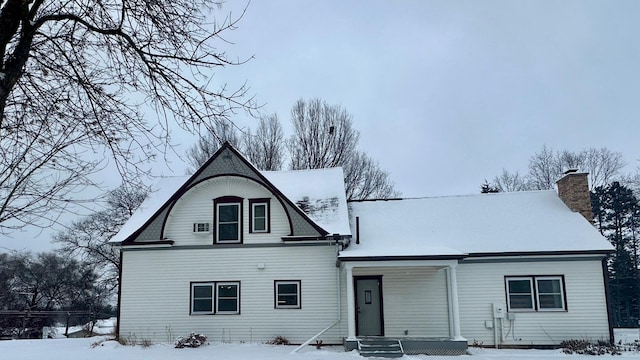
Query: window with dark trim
(287, 294)
(228, 298)
(535, 293)
(215, 298)
(259, 218)
(228, 219)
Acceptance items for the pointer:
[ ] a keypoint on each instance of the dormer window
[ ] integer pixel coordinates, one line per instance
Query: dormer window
(228, 219)
(259, 215)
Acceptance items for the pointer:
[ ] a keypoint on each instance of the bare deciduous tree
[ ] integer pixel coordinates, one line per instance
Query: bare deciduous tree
(323, 136)
(47, 281)
(88, 238)
(547, 166)
(364, 179)
(508, 182)
(207, 145)
(603, 166)
(76, 78)
(265, 148)
(544, 169)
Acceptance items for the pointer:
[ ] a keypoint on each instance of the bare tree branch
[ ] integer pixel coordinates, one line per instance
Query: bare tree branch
(76, 81)
(323, 136)
(265, 148)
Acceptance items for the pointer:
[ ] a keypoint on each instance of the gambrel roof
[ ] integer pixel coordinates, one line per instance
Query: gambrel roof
(315, 200)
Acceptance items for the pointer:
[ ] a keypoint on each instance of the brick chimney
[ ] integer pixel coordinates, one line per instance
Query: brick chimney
(573, 189)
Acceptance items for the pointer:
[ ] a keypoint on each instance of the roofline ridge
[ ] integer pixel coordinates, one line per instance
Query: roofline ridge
(505, 193)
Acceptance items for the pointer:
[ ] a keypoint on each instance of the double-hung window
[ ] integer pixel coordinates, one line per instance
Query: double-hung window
(202, 298)
(228, 219)
(215, 298)
(535, 293)
(287, 294)
(259, 215)
(228, 298)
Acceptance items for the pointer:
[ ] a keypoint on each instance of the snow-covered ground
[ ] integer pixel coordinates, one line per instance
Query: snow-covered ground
(101, 327)
(99, 348)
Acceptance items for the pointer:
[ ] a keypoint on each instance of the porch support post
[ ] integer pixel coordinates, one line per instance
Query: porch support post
(351, 307)
(452, 282)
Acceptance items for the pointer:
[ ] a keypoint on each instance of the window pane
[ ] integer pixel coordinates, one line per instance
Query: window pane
(227, 290)
(227, 305)
(549, 286)
(550, 302)
(520, 302)
(227, 213)
(288, 300)
(259, 210)
(202, 291)
(202, 305)
(228, 232)
(520, 286)
(287, 288)
(202, 298)
(259, 224)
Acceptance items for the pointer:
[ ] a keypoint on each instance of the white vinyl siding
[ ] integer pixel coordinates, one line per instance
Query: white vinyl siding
(165, 276)
(482, 284)
(196, 205)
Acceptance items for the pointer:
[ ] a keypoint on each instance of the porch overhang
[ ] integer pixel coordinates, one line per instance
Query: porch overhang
(448, 263)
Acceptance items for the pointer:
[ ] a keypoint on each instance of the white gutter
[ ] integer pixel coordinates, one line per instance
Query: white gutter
(339, 307)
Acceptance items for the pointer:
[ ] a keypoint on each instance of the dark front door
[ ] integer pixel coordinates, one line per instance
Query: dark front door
(369, 306)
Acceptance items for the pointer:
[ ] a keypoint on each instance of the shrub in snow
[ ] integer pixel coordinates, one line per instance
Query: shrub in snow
(193, 340)
(584, 347)
(279, 340)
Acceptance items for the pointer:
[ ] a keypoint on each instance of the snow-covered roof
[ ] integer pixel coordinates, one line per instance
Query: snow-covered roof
(536, 221)
(158, 195)
(319, 193)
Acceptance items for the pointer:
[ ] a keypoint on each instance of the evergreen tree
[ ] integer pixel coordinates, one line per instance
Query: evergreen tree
(487, 188)
(617, 215)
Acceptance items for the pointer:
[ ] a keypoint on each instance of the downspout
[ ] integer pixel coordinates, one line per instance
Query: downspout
(605, 275)
(339, 307)
(119, 296)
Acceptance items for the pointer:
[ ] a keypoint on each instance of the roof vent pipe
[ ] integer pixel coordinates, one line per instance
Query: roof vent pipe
(357, 229)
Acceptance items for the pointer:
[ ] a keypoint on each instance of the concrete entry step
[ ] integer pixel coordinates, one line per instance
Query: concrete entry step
(384, 348)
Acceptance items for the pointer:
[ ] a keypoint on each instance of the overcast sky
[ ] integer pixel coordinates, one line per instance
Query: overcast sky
(447, 93)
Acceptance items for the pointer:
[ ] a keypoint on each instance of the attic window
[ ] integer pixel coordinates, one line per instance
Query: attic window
(259, 215)
(228, 219)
